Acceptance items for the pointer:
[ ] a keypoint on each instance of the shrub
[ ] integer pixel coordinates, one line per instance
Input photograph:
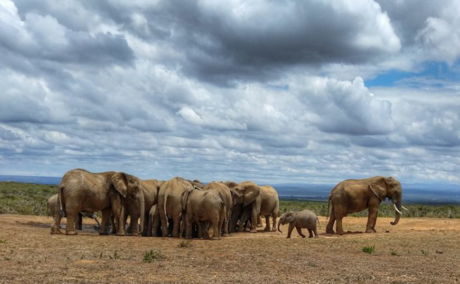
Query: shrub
(153, 255)
(369, 249)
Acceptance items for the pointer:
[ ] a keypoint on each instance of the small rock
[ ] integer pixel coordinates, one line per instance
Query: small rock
(439, 251)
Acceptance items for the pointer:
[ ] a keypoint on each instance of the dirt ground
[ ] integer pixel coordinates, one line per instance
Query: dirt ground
(417, 250)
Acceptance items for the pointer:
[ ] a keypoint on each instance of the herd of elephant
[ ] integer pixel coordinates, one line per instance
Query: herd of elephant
(183, 208)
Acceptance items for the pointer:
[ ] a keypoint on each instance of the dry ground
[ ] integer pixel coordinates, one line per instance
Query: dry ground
(418, 250)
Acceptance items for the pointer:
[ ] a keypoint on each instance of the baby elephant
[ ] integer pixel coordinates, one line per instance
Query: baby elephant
(300, 219)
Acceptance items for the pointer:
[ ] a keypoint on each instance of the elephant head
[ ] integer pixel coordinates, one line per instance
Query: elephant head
(285, 218)
(248, 192)
(128, 187)
(389, 188)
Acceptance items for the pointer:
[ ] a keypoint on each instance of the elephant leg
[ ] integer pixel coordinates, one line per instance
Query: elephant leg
(188, 226)
(79, 221)
(133, 228)
(259, 221)
(267, 223)
(330, 224)
(176, 225)
(290, 228)
(254, 214)
(316, 232)
(310, 233)
(70, 228)
(372, 219)
(106, 218)
(338, 226)
(155, 223)
(274, 216)
(299, 231)
(56, 227)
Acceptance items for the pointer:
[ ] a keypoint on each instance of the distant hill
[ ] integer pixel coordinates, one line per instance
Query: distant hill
(413, 193)
(32, 179)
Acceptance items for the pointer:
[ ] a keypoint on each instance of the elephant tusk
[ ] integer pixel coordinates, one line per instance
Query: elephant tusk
(404, 208)
(396, 208)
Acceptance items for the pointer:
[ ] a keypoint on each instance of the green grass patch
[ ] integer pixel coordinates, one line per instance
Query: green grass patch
(24, 198)
(369, 249)
(153, 255)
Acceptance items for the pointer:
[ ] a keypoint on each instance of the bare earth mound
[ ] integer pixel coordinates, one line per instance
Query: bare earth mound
(418, 250)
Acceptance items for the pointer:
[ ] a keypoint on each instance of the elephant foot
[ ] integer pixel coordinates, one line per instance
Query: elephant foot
(267, 229)
(55, 230)
(253, 231)
(340, 232)
(225, 235)
(71, 233)
(330, 231)
(104, 233)
(370, 231)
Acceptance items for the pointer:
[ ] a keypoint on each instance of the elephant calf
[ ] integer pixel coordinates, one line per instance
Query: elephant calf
(300, 219)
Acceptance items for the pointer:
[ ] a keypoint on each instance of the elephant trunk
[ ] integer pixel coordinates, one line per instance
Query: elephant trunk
(398, 213)
(142, 212)
(279, 223)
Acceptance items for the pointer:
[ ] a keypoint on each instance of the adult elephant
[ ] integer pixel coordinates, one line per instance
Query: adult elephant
(150, 189)
(229, 196)
(354, 195)
(107, 192)
(202, 207)
(269, 206)
(246, 206)
(170, 204)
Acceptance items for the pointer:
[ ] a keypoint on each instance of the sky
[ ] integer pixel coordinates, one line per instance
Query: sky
(270, 91)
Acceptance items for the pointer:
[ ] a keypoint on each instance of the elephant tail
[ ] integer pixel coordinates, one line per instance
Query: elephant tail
(165, 201)
(61, 202)
(329, 209)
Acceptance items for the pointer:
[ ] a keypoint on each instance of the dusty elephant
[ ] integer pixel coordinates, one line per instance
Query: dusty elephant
(355, 195)
(53, 211)
(203, 207)
(229, 196)
(269, 206)
(150, 188)
(107, 192)
(300, 219)
(170, 204)
(246, 207)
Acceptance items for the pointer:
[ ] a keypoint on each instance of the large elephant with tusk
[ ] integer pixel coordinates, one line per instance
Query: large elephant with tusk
(354, 195)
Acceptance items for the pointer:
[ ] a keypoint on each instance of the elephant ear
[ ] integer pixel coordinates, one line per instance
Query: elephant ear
(120, 184)
(251, 192)
(235, 194)
(379, 189)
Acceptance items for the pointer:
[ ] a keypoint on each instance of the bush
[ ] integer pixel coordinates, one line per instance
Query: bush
(369, 249)
(153, 255)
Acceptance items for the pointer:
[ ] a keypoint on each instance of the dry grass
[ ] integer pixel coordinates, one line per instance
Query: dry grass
(418, 250)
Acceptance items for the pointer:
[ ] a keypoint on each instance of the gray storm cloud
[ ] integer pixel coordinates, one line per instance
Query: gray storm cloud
(269, 91)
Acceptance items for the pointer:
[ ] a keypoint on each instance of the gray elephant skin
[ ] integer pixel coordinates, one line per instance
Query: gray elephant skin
(170, 204)
(107, 192)
(202, 207)
(55, 212)
(355, 195)
(300, 219)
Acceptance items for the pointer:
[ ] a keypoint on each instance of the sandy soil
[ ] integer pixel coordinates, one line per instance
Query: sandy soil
(417, 250)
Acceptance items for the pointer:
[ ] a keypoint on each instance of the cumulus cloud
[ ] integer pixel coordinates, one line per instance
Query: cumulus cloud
(273, 92)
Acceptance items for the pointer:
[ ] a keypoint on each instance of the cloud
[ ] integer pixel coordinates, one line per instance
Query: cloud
(268, 91)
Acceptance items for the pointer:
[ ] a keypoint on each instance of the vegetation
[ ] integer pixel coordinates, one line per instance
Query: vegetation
(153, 255)
(24, 198)
(369, 249)
(30, 199)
